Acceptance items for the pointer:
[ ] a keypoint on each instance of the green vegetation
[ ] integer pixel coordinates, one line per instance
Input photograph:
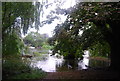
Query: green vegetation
(100, 49)
(37, 54)
(47, 47)
(17, 17)
(12, 45)
(99, 23)
(17, 69)
(39, 41)
(35, 39)
(34, 74)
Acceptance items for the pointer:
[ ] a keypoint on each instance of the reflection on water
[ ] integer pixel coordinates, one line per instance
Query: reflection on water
(49, 64)
(53, 64)
(83, 64)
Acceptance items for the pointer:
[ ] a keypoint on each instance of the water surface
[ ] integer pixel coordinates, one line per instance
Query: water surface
(53, 63)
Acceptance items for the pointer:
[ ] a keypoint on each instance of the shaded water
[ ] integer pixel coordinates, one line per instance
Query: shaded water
(49, 63)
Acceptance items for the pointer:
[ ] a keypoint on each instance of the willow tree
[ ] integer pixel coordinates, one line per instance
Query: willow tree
(17, 17)
(99, 23)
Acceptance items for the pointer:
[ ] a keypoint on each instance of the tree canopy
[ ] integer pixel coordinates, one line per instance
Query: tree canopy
(28, 12)
(89, 27)
(17, 18)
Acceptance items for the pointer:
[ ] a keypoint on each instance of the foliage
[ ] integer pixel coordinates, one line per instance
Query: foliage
(94, 20)
(35, 39)
(46, 47)
(16, 69)
(12, 45)
(17, 17)
(26, 49)
(35, 74)
(100, 49)
(26, 11)
(37, 54)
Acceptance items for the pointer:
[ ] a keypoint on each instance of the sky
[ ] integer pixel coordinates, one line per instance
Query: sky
(48, 28)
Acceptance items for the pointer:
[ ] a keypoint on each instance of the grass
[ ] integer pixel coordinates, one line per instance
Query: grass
(37, 54)
(47, 47)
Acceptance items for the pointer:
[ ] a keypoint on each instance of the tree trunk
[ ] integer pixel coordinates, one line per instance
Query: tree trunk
(115, 60)
(114, 44)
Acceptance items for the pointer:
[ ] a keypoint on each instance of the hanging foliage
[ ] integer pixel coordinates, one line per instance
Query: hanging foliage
(17, 18)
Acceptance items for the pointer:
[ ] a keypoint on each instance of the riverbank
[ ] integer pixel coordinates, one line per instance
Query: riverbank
(100, 58)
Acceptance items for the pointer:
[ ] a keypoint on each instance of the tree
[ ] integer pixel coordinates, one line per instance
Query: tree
(99, 22)
(35, 39)
(17, 17)
(28, 12)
